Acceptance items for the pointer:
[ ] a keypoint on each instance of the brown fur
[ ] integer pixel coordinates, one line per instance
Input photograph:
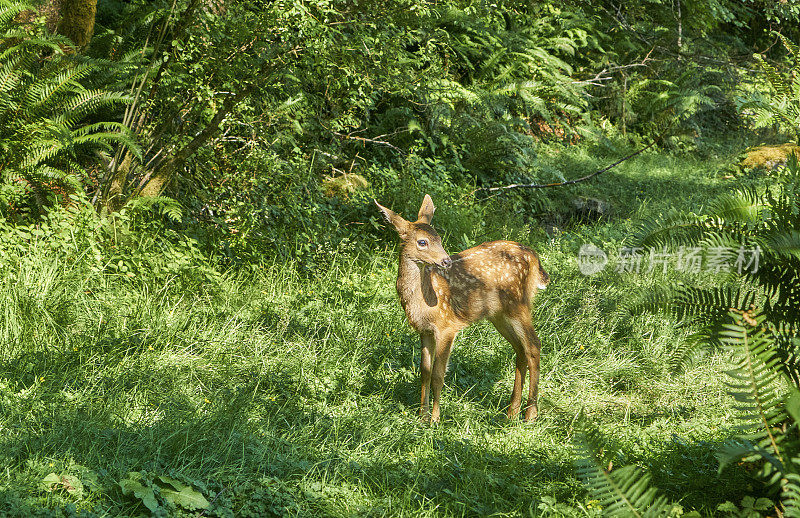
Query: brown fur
(442, 294)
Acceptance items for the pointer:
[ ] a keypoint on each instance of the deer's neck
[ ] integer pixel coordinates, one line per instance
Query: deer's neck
(417, 295)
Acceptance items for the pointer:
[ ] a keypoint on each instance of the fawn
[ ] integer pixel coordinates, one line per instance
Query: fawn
(442, 294)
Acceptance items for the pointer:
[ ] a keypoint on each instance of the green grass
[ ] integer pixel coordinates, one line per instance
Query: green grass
(276, 393)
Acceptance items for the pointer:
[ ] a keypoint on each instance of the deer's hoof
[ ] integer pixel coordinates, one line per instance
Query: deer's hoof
(531, 416)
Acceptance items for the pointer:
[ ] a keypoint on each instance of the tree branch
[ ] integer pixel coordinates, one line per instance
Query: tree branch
(577, 180)
(154, 182)
(372, 140)
(605, 74)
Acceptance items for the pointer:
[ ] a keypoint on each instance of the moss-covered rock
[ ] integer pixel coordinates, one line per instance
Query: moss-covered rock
(344, 185)
(769, 157)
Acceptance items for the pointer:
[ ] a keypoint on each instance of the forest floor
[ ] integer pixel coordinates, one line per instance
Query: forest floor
(288, 394)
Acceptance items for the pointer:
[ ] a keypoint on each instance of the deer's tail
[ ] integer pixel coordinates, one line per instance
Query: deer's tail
(538, 279)
(544, 278)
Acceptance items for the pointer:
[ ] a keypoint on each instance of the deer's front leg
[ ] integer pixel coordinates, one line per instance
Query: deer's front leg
(444, 343)
(428, 347)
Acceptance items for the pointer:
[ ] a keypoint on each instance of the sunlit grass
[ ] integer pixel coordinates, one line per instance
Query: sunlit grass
(278, 393)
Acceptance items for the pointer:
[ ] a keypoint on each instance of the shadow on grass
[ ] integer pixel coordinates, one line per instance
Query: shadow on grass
(429, 465)
(305, 437)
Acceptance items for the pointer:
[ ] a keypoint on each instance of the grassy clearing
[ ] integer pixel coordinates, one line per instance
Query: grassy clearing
(276, 393)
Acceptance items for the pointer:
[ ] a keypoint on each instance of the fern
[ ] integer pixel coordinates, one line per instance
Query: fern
(684, 352)
(45, 105)
(768, 405)
(624, 491)
(783, 106)
(704, 307)
(758, 326)
(499, 80)
(768, 221)
(166, 206)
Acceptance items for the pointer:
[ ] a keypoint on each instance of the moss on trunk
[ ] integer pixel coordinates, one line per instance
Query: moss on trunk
(77, 20)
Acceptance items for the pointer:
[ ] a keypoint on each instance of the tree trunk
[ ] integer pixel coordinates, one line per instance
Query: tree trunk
(114, 198)
(155, 183)
(77, 21)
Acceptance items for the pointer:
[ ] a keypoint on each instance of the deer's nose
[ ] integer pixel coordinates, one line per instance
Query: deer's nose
(447, 262)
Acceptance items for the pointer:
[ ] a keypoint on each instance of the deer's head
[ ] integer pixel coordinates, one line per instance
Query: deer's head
(421, 242)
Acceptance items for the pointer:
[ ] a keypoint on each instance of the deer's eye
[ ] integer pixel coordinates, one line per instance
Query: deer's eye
(422, 243)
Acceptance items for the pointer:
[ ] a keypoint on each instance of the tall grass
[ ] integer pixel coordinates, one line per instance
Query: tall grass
(278, 393)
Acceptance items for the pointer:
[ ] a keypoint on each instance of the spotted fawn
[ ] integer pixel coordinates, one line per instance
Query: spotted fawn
(442, 294)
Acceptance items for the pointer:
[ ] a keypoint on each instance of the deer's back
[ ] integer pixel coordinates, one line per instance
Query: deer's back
(494, 277)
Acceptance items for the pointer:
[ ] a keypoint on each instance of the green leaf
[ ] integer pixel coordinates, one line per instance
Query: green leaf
(88, 477)
(182, 495)
(132, 486)
(793, 404)
(762, 504)
(49, 481)
(625, 491)
(70, 483)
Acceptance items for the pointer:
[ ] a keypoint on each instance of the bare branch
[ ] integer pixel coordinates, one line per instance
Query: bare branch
(605, 74)
(577, 180)
(375, 140)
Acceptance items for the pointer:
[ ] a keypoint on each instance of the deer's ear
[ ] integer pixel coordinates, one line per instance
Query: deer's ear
(426, 210)
(395, 219)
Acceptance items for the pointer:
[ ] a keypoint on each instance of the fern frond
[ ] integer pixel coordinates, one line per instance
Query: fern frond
(624, 491)
(709, 306)
(684, 352)
(790, 493)
(791, 47)
(45, 90)
(10, 10)
(87, 102)
(669, 230)
(744, 205)
(757, 384)
(166, 206)
(785, 243)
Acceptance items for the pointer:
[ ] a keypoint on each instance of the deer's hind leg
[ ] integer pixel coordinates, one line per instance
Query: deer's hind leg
(516, 327)
(533, 355)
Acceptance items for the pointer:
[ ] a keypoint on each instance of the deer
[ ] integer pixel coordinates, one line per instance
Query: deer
(442, 294)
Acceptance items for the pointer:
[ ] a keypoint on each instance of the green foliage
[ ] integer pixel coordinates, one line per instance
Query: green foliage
(764, 342)
(759, 328)
(768, 404)
(157, 491)
(46, 110)
(750, 507)
(656, 103)
(781, 106)
(767, 221)
(234, 347)
(270, 390)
